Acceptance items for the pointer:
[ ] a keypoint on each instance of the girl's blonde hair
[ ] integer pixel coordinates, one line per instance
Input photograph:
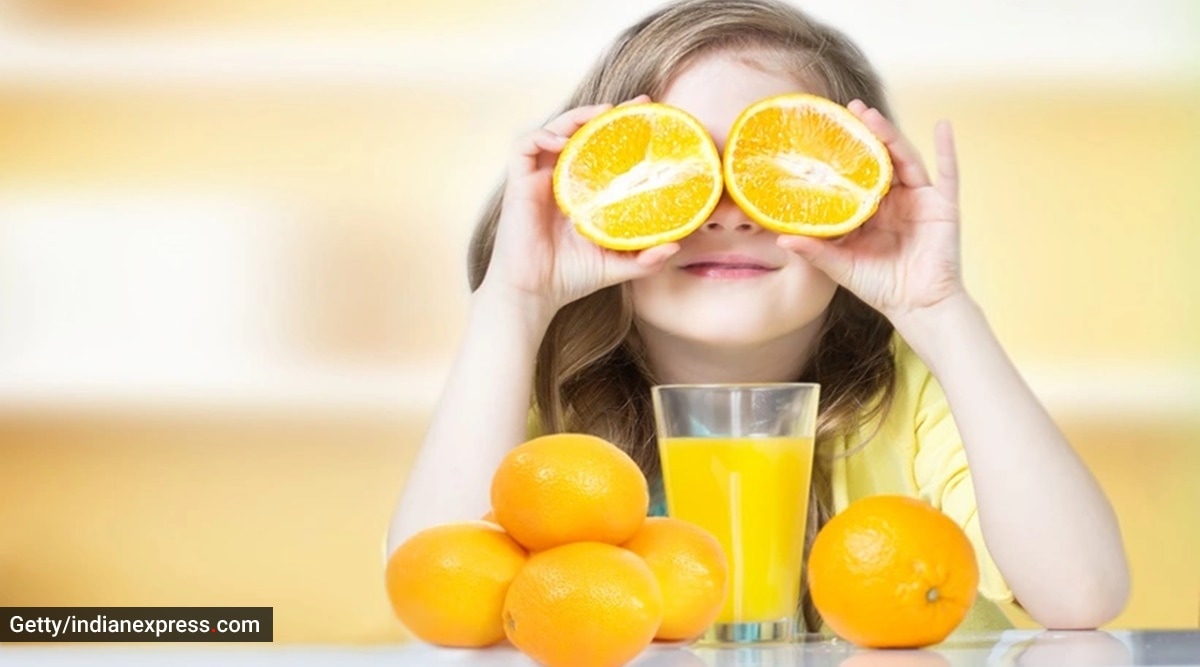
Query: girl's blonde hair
(592, 375)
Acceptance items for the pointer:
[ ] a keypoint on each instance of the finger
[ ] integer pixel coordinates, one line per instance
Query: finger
(947, 161)
(652, 257)
(858, 107)
(640, 99)
(523, 160)
(826, 254)
(906, 160)
(626, 266)
(549, 142)
(567, 123)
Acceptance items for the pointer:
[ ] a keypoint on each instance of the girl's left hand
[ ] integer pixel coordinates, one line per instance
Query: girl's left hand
(905, 258)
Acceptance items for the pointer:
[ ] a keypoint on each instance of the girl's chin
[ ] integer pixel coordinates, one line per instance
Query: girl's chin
(721, 337)
(724, 322)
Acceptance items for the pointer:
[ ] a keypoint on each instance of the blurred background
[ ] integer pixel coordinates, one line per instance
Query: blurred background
(232, 244)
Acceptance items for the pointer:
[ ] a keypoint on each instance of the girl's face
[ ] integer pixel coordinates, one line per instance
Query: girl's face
(730, 284)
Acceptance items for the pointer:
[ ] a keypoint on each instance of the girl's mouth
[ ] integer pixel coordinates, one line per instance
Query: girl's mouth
(728, 267)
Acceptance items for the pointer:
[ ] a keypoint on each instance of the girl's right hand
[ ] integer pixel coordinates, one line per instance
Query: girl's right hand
(537, 253)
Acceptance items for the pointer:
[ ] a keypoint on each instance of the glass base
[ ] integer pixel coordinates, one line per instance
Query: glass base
(765, 632)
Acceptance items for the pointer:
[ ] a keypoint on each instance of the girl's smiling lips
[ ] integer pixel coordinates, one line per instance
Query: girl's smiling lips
(727, 266)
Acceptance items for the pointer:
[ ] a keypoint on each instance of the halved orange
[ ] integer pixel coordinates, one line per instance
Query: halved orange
(802, 164)
(637, 176)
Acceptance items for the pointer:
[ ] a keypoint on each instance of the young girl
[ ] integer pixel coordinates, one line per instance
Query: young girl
(917, 396)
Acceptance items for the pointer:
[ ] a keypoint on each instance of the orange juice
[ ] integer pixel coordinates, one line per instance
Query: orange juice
(752, 494)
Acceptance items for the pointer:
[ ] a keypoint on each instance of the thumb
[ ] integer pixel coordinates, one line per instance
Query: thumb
(629, 266)
(825, 254)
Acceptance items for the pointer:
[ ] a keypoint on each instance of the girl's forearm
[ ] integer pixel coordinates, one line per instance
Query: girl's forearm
(1047, 523)
(480, 416)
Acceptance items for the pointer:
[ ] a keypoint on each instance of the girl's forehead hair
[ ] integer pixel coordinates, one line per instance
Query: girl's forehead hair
(769, 34)
(793, 63)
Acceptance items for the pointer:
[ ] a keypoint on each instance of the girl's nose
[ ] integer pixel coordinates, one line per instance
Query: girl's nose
(728, 217)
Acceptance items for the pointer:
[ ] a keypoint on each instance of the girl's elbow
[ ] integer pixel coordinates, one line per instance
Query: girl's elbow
(1088, 606)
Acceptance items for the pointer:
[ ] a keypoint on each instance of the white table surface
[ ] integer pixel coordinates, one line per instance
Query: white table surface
(1015, 647)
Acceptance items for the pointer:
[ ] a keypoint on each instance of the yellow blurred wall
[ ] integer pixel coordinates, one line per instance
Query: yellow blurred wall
(1080, 239)
(187, 511)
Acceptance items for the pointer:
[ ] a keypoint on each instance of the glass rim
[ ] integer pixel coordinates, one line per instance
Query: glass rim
(738, 385)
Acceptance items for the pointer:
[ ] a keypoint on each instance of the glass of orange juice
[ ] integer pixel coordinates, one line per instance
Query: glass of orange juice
(737, 461)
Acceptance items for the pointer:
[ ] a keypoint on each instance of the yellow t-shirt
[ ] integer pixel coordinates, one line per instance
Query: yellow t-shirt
(917, 452)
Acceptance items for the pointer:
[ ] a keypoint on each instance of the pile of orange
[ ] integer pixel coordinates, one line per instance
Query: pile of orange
(572, 572)
(642, 175)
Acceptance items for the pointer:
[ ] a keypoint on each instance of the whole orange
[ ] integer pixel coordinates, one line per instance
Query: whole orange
(569, 487)
(585, 604)
(691, 569)
(892, 572)
(447, 583)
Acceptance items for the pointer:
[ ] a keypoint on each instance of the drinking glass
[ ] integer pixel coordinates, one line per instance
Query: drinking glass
(737, 461)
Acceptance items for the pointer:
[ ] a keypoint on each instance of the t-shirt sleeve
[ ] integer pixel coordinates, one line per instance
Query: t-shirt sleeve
(533, 424)
(943, 480)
